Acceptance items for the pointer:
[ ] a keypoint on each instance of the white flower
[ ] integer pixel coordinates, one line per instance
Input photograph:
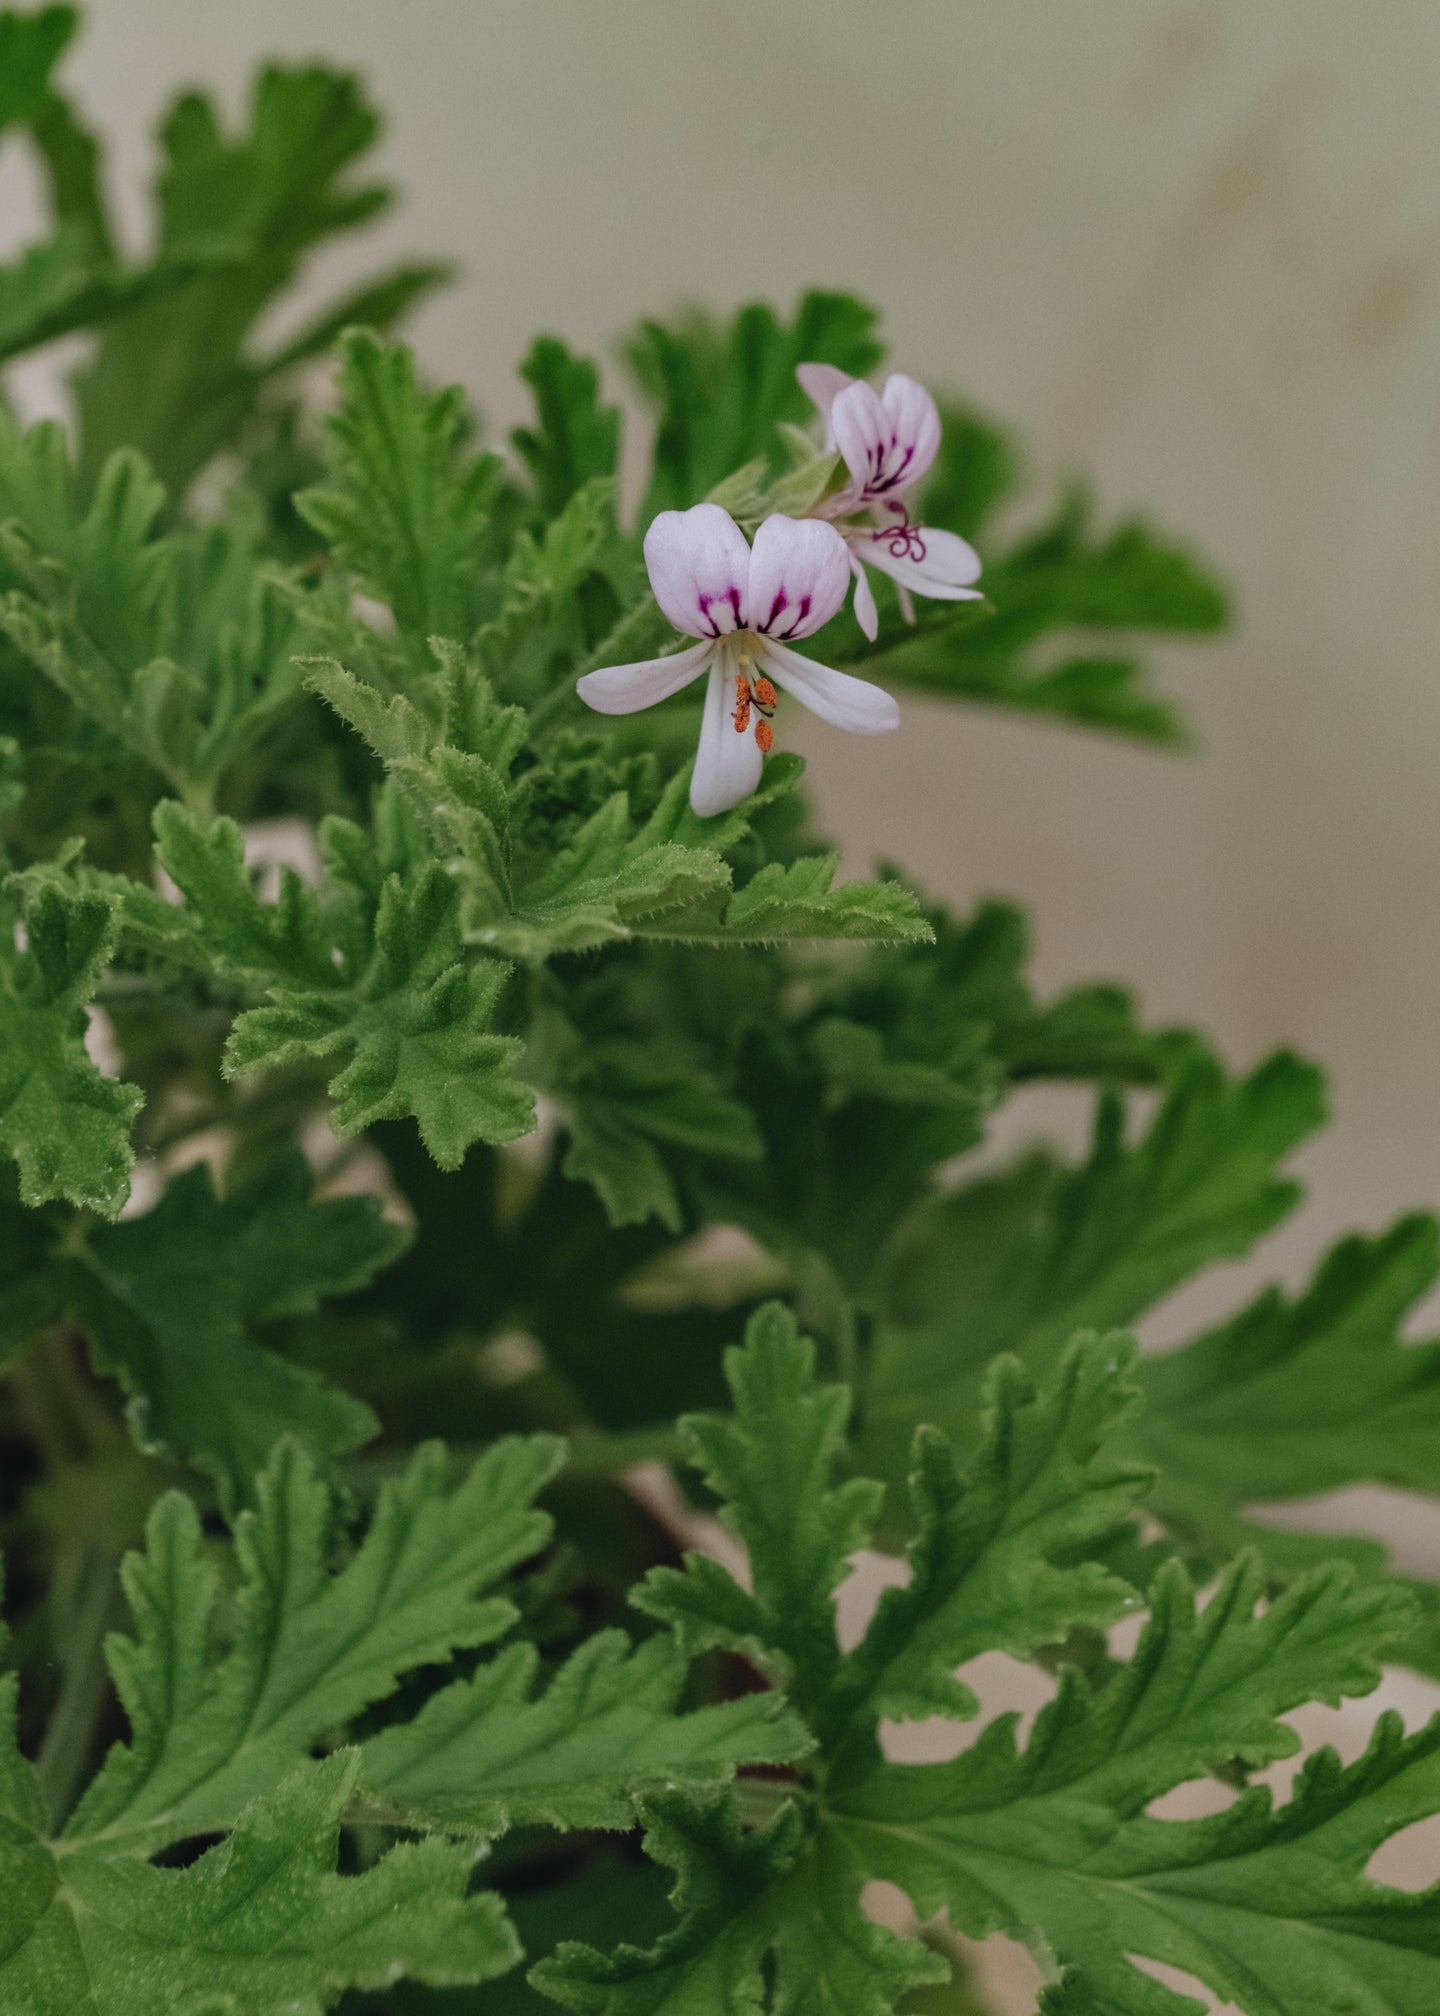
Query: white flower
(887, 440)
(743, 603)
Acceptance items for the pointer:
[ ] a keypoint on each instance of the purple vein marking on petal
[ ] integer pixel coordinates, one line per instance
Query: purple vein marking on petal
(730, 595)
(782, 602)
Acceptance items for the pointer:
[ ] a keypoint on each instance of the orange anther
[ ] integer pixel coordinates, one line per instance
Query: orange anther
(765, 695)
(764, 737)
(741, 716)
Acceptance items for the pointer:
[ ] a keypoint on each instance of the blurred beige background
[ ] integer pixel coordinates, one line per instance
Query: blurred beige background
(1193, 248)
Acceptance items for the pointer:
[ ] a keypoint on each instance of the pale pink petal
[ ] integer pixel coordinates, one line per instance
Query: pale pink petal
(836, 697)
(915, 419)
(888, 443)
(823, 383)
(625, 689)
(861, 427)
(698, 563)
(866, 614)
(799, 576)
(728, 762)
(939, 564)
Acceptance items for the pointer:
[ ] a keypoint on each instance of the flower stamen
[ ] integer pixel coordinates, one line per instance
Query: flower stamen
(743, 696)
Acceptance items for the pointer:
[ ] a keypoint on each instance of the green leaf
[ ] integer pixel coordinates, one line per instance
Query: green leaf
(310, 1648)
(1269, 1910)
(1292, 1397)
(259, 1922)
(575, 438)
(178, 376)
(627, 1106)
(66, 1126)
(393, 990)
(418, 1029)
(1045, 1251)
(175, 646)
(171, 1302)
(721, 391)
(769, 1921)
(772, 1466)
(1297, 1396)
(612, 881)
(405, 508)
(30, 47)
(483, 1755)
(993, 1561)
(796, 901)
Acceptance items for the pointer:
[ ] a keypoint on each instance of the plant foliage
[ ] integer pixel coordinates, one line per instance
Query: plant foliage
(407, 1102)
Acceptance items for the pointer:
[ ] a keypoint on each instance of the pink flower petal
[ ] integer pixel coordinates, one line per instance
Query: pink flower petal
(866, 614)
(728, 761)
(888, 443)
(698, 563)
(916, 421)
(799, 576)
(823, 383)
(836, 697)
(625, 689)
(931, 562)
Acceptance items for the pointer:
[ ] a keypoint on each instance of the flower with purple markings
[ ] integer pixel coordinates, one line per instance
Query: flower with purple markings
(887, 441)
(744, 604)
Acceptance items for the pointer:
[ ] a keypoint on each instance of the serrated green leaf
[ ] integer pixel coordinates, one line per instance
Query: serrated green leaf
(1052, 1251)
(259, 1922)
(721, 390)
(626, 1107)
(179, 375)
(31, 45)
(170, 1302)
(66, 1125)
(989, 1561)
(483, 1754)
(405, 508)
(395, 992)
(177, 646)
(797, 901)
(575, 438)
(311, 1648)
(1292, 1397)
(1296, 1396)
(772, 1465)
(1269, 1910)
(417, 1027)
(769, 1920)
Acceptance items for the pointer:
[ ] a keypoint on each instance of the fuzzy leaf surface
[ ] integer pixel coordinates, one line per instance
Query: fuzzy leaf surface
(488, 1753)
(310, 1647)
(262, 1921)
(764, 1915)
(171, 1301)
(987, 1554)
(772, 1464)
(405, 508)
(65, 1125)
(1041, 1252)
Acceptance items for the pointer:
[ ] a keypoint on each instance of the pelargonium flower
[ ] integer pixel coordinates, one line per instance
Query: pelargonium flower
(744, 604)
(887, 440)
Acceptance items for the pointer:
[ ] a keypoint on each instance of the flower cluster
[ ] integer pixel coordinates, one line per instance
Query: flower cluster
(746, 604)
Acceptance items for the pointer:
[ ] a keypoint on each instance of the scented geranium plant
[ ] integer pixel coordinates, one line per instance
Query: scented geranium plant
(442, 1071)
